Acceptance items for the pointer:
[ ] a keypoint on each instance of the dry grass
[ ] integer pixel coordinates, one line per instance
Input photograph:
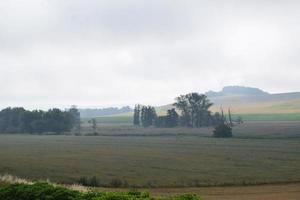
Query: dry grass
(259, 153)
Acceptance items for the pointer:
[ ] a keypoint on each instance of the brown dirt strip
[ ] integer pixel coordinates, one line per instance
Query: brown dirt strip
(262, 192)
(289, 191)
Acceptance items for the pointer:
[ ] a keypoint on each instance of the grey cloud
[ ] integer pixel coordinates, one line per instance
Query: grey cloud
(90, 53)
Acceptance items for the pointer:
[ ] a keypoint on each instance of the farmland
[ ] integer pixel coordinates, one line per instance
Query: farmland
(126, 119)
(259, 153)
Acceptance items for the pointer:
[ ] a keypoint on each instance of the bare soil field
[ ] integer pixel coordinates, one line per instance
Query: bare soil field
(289, 191)
(265, 192)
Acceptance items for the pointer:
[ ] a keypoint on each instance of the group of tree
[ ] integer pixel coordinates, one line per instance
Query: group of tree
(19, 120)
(146, 116)
(194, 111)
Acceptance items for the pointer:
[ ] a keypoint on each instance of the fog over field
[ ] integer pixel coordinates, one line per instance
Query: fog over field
(117, 53)
(150, 99)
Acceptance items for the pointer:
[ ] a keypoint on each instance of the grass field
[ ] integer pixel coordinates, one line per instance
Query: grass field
(270, 117)
(126, 119)
(259, 153)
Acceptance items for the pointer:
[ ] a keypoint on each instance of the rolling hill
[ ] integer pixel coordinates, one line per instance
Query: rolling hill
(247, 100)
(250, 103)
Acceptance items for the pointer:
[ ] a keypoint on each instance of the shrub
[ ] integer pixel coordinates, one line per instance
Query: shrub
(223, 131)
(45, 191)
(37, 191)
(116, 183)
(93, 181)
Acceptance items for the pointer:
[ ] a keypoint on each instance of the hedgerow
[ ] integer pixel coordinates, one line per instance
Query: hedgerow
(45, 191)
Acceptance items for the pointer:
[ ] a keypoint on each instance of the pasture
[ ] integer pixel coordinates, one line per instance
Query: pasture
(259, 153)
(126, 119)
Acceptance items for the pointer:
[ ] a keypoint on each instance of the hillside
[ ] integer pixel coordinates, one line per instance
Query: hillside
(253, 101)
(96, 112)
(246, 100)
(250, 103)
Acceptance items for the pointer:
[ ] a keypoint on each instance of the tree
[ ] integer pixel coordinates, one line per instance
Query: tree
(75, 118)
(217, 119)
(194, 109)
(136, 115)
(172, 118)
(223, 131)
(94, 125)
(230, 119)
(160, 121)
(169, 120)
(148, 116)
(19, 120)
(183, 105)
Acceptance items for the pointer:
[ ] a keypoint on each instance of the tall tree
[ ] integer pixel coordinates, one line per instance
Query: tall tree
(194, 109)
(230, 119)
(183, 105)
(94, 125)
(136, 115)
(172, 118)
(75, 119)
(148, 115)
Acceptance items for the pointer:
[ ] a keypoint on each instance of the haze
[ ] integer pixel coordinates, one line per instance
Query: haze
(114, 53)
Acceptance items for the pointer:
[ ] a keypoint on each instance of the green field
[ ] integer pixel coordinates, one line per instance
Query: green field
(259, 153)
(271, 117)
(126, 119)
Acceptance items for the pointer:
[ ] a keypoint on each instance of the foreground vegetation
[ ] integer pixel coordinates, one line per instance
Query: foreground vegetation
(126, 156)
(45, 191)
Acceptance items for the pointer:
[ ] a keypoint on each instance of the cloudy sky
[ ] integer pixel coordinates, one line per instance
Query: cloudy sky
(56, 53)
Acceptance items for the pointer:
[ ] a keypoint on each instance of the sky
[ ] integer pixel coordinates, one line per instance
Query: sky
(99, 53)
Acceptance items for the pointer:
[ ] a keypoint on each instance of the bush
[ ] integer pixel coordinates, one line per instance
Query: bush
(45, 191)
(37, 191)
(223, 131)
(93, 181)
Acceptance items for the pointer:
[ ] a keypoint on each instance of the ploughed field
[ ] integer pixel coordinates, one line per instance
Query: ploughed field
(260, 152)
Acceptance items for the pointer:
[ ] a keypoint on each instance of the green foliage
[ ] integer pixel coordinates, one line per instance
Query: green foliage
(136, 115)
(45, 191)
(148, 116)
(194, 109)
(37, 191)
(19, 120)
(223, 131)
(170, 120)
(94, 126)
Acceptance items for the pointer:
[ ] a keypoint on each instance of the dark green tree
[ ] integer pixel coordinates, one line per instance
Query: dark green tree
(94, 125)
(182, 104)
(75, 119)
(194, 109)
(19, 120)
(172, 118)
(148, 116)
(230, 119)
(222, 131)
(136, 115)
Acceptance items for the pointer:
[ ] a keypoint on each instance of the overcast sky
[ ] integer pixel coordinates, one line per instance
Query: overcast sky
(55, 53)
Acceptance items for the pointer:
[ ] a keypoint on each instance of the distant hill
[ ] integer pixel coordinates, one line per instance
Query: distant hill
(248, 100)
(91, 112)
(250, 103)
(237, 90)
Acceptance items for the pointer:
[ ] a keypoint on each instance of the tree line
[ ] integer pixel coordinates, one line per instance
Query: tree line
(194, 112)
(19, 120)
